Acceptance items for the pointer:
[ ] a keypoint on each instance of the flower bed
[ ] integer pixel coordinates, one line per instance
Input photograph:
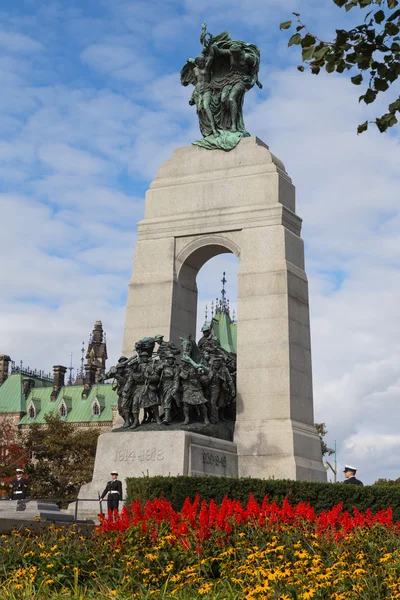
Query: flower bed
(212, 551)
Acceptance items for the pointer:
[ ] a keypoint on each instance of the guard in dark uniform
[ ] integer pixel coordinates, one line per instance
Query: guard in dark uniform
(350, 474)
(18, 489)
(114, 491)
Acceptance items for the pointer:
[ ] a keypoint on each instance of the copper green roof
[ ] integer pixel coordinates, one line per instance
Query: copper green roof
(79, 410)
(12, 399)
(225, 331)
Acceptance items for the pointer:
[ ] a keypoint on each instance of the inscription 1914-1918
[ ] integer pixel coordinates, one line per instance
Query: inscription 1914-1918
(214, 459)
(149, 455)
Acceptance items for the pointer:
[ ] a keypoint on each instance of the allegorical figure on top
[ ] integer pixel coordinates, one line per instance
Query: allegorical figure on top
(221, 75)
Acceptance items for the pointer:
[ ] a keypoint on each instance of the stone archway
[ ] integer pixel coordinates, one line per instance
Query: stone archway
(192, 254)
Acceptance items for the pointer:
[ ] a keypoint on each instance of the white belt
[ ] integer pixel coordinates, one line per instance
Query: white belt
(113, 492)
(20, 492)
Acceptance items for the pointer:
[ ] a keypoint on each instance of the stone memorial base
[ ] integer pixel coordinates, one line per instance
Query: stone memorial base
(22, 510)
(149, 453)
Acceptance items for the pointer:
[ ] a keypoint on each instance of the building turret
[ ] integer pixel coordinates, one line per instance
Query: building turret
(4, 366)
(97, 350)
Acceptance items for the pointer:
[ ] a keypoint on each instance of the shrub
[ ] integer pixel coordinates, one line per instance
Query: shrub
(322, 496)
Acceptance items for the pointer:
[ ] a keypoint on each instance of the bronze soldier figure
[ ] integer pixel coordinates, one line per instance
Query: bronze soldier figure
(169, 385)
(192, 381)
(165, 348)
(145, 396)
(222, 389)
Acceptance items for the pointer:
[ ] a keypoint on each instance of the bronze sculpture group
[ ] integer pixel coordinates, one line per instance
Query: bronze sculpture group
(201, 387)
(225, 70)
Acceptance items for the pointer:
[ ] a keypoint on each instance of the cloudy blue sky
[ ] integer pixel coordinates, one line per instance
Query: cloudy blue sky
(91, 105)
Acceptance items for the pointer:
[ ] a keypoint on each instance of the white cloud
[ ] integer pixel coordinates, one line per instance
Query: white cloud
(18, 43)
(71, 160)
(119, 61)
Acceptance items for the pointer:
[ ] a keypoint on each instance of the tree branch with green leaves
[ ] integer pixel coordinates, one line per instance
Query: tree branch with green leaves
(371, 49)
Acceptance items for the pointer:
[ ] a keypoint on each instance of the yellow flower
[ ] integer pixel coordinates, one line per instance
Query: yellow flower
(150, 556)
(385, 558)
(205, 588)
(48, 581)
(113, 592)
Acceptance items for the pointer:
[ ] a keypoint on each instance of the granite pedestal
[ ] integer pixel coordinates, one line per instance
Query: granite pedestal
(148, 453)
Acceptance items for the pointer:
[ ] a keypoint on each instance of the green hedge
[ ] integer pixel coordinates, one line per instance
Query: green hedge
(322, 496)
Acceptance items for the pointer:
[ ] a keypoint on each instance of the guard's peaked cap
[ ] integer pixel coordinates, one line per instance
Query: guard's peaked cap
(349, 468)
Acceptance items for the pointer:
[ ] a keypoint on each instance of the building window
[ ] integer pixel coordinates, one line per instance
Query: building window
(63, 410)
(96, 409)
(31, 412)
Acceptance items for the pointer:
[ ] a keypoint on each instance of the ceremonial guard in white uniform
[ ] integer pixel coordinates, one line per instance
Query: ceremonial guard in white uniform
(114, 491)
(350, 474)
(18, 489)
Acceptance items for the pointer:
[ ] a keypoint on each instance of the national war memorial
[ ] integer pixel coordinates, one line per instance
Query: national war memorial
(189, 408)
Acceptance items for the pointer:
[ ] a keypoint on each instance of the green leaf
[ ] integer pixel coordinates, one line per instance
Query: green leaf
(307, 53)
(285, 25)
(300, 27)
(369, 96)
(295, 39)
(381, 125)
(392, 4)
(380, 84)
(379, 16)
(362, 127)
(315, 70)
(357, 79)
(319, 54)
(395, 106)
(300, 68)
(308, 40)
(351, 5)
(351, 57)
(382, 69)
(330, 67)
(340, 3)
(392, 29)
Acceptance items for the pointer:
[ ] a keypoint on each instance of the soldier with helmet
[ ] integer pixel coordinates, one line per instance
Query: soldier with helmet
(193, 379)
(222, 389)
(120, 373)
(165, 348)
(169, 385)
(145, 395)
